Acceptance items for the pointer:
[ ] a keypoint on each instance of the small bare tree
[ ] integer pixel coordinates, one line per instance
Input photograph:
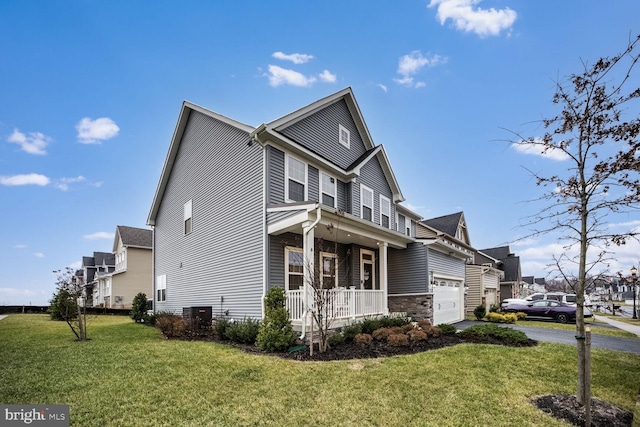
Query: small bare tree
(596, 131)
(72, 306)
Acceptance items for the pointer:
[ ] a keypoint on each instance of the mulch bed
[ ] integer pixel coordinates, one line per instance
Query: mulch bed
(567, 408)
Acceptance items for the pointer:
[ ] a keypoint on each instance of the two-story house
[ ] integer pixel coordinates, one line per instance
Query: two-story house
(306, 197)
(511, 284)
(132, 270)
(100, 262)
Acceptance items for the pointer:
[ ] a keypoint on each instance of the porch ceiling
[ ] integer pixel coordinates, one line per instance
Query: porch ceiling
(342, 228)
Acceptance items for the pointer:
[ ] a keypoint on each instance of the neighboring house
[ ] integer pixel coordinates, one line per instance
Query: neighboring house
(239, 210)
(102, 262)
(443, 249)
(512, 285)
(533, 285)
(132, 270)
(100, 280)
(483, 282)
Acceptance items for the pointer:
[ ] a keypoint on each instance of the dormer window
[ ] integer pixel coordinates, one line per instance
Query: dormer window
(327, 190)
(296, 185)
(345, 136)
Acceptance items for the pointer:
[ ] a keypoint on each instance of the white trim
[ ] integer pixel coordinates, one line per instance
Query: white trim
(373, 267)
(386, 199)
(287, 250)
(362, 189)
(324, 255)
(342, 129)
(289, 222)
(321, 188)
(161, 284)
(288, 156)
(264, 230)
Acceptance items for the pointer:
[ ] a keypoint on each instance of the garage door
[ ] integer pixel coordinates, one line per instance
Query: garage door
(448, 304)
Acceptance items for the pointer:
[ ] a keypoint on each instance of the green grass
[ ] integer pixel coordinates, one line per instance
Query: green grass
(127, 375)
(596, 327)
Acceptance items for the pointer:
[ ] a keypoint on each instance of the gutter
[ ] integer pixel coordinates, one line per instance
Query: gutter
(305, 233)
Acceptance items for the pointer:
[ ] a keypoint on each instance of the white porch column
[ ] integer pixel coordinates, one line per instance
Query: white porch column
(308, 269)
(383, 277)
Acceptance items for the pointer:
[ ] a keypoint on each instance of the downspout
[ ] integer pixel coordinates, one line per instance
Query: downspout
(305, 233)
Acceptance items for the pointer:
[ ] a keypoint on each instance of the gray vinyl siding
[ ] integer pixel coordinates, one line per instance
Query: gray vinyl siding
(319, 133)
(444, 264)
(313, 183)
(273, 217)
(275, 176)
(373, 177)
(408, 269)
(344, 196)
(222, 257)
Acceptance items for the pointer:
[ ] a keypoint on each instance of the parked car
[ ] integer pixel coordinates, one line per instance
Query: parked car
(546, 309)
(569, 299)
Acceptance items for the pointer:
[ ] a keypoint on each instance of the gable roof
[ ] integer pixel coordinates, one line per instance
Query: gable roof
(497, 253)
(176, 139)
(510, 262)
(133, 237)
(106, 258)
(450, 224)
(271, 132)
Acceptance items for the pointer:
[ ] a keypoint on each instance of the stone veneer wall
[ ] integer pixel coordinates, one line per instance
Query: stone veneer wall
(417, 306)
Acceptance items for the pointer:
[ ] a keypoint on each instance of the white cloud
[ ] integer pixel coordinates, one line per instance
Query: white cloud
(34, 143)
(538, 150)
(94, 131)
(383, 87)
(327, 76)
(99, 235)
(15, 292)
(27, 179)
(483, 22)
(412, 63)
(296, 58)
(38, 255)
(63, 183)
(20, 246)
(279, 76)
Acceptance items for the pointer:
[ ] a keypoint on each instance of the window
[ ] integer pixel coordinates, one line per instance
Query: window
(329, 270)
(385, 211)
(188, 213)
(407, 225)
(397, 227)
(161, 288)
(366, 202)
(345, 136)
(327, 190)
(294, 264)
(296, 186)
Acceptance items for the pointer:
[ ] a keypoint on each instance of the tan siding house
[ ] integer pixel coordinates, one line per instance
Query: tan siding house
(483, 282)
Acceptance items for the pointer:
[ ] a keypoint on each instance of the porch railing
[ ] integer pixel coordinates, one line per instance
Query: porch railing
(342, 303)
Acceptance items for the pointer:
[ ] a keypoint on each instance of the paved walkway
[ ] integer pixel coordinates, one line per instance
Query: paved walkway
(618, 324)
(2, 316)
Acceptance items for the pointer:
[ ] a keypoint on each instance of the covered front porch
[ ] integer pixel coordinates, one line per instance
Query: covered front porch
(329, 262)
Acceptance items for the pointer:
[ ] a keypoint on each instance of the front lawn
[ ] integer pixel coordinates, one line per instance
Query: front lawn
(127, 375)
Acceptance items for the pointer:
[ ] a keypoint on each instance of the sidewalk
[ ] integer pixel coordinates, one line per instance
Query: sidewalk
(2, 316)
(618, 324)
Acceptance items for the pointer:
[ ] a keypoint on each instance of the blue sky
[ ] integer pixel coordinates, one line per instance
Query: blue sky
(91, 91)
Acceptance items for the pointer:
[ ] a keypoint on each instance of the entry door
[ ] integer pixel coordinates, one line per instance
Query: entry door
(367, 269)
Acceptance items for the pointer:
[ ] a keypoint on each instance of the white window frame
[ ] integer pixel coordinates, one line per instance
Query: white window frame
(188, 216)
(397, 227)
(388, 214)
(364, 188)
(287, 250)
(324, 255)
(407, 226)
(343, 130)
(334, 189)
(287, 178)
(161, 288)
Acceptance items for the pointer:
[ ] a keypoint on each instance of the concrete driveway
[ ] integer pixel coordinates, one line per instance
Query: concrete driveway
(568, 337)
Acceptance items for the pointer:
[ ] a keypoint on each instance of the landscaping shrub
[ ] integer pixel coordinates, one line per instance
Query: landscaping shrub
(480, 311)
(381, 334)
(416, 335)
(139, 308)
(171, 325)
(363, 339)
(406, 328)
(336, 339)
(424, 323)
(447, 329)
(275, 332)
(521, 316)
(390, 322)
(350, 331)
(431, 331)
(511, 317)
(369, 325)
(495, 317)
(62, 306)
(243, 331)
(398, 340)
(494, 308)
(482, 333)
(196, 328)
(220, 327)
